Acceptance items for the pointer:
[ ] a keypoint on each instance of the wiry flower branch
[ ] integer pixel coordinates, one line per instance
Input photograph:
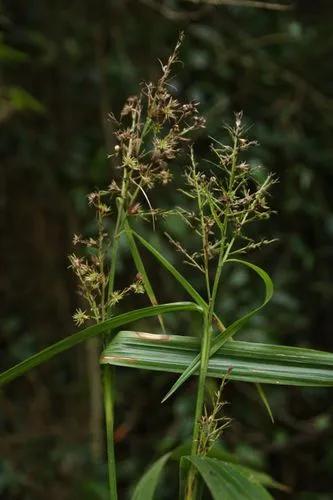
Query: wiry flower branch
(226, 199)
(153, 128)
(214, 422)
(93, 270)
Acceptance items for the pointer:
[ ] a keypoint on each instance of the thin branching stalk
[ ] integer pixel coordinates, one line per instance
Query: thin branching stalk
(152, 131)
(192, 486)
(225, 203)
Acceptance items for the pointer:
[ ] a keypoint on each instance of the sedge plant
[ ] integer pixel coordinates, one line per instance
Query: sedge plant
(222, 197)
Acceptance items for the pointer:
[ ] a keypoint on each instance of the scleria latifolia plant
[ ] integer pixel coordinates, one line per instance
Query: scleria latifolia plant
(221, 197)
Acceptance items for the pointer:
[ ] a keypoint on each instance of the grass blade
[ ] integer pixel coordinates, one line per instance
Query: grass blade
(263, 478)
(141, 269)
(146, 487)
(265, 401)
(250, 362)
(220, 453)
(179, 277)
(231, 329)
(91, 331)
(227, 481)
(176, 274)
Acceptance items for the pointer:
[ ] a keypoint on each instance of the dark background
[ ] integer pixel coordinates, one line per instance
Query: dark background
(64, 66)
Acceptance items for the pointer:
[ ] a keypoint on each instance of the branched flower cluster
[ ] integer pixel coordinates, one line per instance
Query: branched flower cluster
(227, 198)
(213, 423)
(92, 270)
(153, 129)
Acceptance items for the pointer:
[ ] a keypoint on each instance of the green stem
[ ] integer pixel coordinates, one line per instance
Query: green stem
(205, 348)
(203, 228)
(109, 425)
(192, 490)
(115, 245)
(108, 387)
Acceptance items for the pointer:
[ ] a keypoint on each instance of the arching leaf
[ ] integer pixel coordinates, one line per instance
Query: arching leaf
(146, 487)
(249, 361)
(231, 329)
(92, 331)
(227, 481)
(176, 274)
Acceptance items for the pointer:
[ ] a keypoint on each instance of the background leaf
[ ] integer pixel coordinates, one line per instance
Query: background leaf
(146, 487)
(22, 100)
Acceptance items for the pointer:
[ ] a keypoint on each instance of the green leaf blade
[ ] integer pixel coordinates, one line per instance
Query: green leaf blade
(172, 270)
(92, 331)
(228, 481)
(249, 362)
(141, 269)
(265, 401)
(231, 329)
(147, 485)
(179, 277)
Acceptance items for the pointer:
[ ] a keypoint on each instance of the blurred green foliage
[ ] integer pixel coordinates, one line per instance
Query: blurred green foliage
(64, 66)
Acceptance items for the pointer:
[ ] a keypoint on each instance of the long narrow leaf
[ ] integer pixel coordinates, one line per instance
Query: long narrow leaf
(218, 452)
(231, 329)
(92, 331)
(176, 274)
(262, 478)
(146, 487)
(141, 269)
(227, 481)
(249, 361)
(265, 401)
(179, 277)
(194, 295)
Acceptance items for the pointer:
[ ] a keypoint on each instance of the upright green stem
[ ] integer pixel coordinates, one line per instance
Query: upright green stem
(121, 215)
(109, 424)
(205, 348)
(203, 231)
(108, 386)
(107, 370)
(193, 491)
(115, 245)
(192, 485)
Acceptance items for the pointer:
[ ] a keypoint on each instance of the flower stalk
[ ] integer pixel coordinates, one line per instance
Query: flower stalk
(152, 131)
